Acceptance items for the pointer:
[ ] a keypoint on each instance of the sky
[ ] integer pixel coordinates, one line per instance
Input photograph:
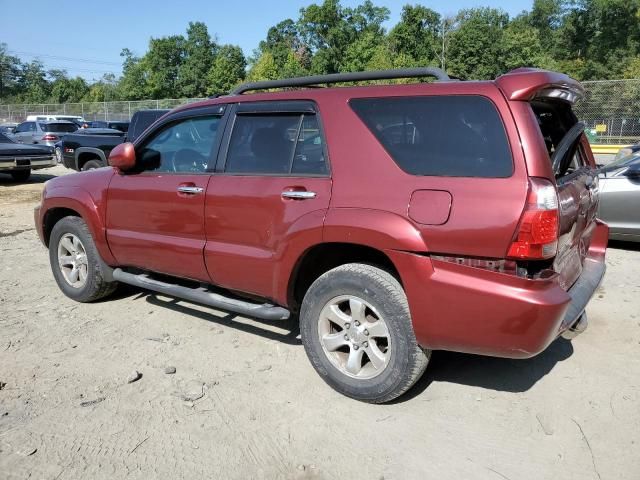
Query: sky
(86, 38)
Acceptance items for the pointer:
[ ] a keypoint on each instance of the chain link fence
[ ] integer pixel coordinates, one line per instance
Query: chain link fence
(107, 111)
(610, 109)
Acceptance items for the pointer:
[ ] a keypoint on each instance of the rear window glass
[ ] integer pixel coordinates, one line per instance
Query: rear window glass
(452, 136)
(276, 145)
(58, 127)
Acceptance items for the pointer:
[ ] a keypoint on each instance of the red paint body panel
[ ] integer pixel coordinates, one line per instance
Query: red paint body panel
(522, 84)
(485, 211)
(251, 228)
(85, 194)
(152, 226)
(472, 310)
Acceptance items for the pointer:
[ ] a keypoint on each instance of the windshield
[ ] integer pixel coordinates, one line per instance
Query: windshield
(66, 127)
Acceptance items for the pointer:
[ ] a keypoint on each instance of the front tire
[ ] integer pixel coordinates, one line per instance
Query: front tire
(357, 332)
(76, 265)
(92, 164)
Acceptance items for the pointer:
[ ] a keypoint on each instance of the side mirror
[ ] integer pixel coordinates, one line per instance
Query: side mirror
(123, 157)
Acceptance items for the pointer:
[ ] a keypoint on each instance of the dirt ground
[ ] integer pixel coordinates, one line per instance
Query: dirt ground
(245, 402)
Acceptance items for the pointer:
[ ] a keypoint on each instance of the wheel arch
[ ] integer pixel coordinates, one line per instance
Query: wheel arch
(85, 154)
(351, 235)
(323, 257)
(76, 202)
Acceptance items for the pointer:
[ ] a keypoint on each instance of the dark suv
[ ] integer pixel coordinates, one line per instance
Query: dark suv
(392, 219)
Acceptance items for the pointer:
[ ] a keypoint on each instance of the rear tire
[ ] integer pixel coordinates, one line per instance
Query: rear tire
(21, 175)
(76, 265)
(357, 332)
(92, 164)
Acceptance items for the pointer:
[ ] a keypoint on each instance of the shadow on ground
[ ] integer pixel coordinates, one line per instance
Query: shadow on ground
(289, 326)
(35, 178)
(501, 374)
(622, 245)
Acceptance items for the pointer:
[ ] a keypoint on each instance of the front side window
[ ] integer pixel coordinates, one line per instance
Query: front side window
(282, 144)
(184, 146)
(26, 127)
(452, 136)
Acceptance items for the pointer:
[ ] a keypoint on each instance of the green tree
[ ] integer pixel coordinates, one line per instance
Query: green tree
(199, 55)
(329, 29)
(65, 89)
(264, 68)
(10, 68)
(163, 61)
(227, 71)
(521, 47)
(133, 84)
(33, 83)
(417, 35)
(475, 46)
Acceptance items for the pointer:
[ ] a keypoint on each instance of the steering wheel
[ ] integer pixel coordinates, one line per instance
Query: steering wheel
(188, 160)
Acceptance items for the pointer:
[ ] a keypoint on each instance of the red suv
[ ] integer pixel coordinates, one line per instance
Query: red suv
(393, 219)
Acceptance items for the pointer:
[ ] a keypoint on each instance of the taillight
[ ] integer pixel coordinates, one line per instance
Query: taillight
(49, 138)
(537, 234)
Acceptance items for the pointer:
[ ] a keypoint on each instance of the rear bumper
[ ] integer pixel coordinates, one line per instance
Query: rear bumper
(466, 309)
(27, 163)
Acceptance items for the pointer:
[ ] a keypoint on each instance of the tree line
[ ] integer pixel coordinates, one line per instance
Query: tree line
(588, 39)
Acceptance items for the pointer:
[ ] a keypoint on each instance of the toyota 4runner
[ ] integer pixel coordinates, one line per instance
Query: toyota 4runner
(393, 220)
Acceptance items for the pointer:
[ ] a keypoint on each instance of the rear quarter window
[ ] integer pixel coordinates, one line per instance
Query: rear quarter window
(58, 127)
(451, 136)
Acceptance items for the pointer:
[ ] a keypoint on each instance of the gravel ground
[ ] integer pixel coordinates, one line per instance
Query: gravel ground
(245, 403)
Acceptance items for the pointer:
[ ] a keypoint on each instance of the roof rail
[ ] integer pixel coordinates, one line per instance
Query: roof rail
(343, 77)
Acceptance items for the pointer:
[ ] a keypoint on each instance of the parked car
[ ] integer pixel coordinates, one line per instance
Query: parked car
(89, 148)
(18, 160)
(628, 150)
(44, 132)
(8, 128)
(122, 126)
(620, 198)
(77, 119)
(468, 233)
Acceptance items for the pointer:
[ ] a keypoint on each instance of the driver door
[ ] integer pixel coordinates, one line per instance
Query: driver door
(155, 215)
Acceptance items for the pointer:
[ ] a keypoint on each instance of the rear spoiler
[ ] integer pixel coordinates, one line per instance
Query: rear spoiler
(526, 84)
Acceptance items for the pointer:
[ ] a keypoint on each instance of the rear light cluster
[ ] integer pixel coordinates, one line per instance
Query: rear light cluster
(537, 234)
(49, 138)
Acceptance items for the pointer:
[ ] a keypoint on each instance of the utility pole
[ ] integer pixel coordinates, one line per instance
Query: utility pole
(442, 56)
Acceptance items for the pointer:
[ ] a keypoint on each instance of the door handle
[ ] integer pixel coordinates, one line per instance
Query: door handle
(191, 190)
(298, 194)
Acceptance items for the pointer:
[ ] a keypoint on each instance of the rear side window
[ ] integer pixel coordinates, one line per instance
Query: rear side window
(58, 127)
(283, 144)
(451, 136)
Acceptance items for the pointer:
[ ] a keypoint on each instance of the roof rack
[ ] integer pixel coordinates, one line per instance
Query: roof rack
(315, 80)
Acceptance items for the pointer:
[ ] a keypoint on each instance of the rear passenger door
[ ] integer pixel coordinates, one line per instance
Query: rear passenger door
(272, 181)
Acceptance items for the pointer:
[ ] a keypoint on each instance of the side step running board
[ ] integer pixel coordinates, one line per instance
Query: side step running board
(199, 295)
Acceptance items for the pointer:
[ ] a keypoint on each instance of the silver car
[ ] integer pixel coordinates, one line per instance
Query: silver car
(620, 198)
(43, 132)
